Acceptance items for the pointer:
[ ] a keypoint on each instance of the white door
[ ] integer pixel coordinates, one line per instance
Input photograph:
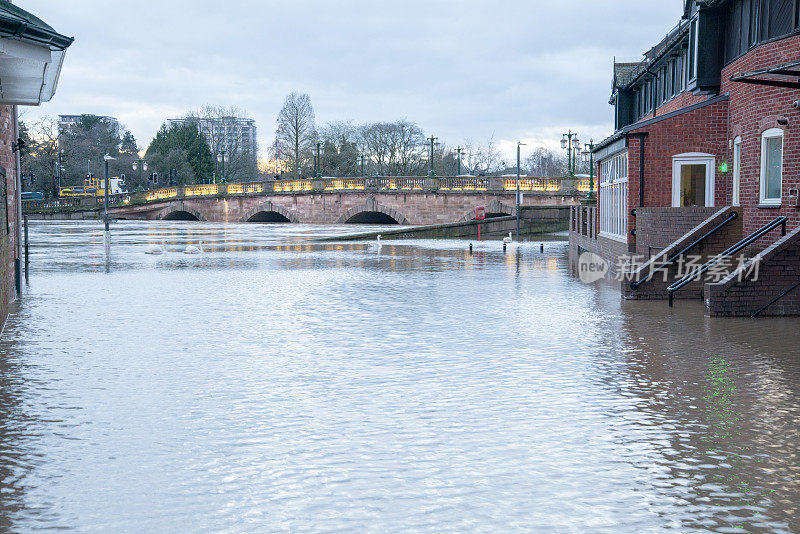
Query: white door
(693, 180)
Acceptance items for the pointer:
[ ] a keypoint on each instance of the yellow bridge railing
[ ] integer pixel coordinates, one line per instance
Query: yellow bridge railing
(532, 184)
(344, 184)
(464, 184)
(161, 194)
(291, 186)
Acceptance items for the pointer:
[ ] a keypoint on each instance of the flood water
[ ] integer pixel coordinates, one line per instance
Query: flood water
(277, 384)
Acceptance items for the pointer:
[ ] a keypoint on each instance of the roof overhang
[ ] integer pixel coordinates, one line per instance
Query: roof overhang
(785, 75)
(31, 56)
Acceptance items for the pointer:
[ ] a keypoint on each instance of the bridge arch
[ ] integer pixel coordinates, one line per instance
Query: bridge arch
(495, 208)
(181, 214)
(269, 212)
(371, 212)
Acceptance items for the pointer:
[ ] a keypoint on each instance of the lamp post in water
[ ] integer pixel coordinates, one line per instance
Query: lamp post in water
(107, 158)
(519, 144)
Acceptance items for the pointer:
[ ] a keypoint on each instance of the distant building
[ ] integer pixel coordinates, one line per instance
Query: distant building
(67, 122)
(30, 65)
(226, 133)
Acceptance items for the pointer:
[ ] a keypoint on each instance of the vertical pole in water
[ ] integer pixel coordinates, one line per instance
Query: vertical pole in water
(479, 230)
(107, 234)
(518, 147)
(27, 250)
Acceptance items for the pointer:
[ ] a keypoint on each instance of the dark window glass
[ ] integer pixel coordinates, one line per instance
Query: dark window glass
(755, 10)
(746, 7)
(780, 16)
(692, 49)
(797, 14)
(733, 32)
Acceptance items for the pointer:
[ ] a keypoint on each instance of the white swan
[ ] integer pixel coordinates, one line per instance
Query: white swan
(509, 239)
(156, 249)
(377, 245)
(191, 249)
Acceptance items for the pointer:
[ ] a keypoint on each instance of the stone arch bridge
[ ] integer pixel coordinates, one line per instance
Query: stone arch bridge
(406, 201)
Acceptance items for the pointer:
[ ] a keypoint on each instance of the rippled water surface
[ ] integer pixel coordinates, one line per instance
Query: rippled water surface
(277, 384)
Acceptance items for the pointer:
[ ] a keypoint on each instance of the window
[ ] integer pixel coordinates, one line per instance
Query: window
(693, 177)
(779, 17)
(692, 72)
(737, 171)
(771, 167)
(613, 200)
(753, 31)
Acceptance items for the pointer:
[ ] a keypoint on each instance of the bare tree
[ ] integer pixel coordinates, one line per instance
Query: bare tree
(228, 129)
(296, 131)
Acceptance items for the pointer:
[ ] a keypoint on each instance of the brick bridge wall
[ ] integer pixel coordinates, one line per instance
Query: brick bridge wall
(333, 208)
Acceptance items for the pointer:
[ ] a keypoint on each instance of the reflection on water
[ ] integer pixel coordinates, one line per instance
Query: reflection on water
(273, 383)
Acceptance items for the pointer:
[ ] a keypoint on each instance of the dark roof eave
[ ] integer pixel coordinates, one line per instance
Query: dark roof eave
(37, 34)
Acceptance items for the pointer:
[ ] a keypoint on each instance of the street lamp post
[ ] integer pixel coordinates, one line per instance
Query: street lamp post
(362, 158)
(60, 168)
(141, 165)
(572, 144)
(459, 152)
(588, 157)
(519, 144)
(106, 159)
(221, 157)
(318, 160)
(432, 139)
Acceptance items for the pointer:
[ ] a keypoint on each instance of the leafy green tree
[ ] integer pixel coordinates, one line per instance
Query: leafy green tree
(178, 145)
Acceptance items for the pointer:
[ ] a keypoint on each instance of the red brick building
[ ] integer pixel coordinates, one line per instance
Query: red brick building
(708, 119)
(695, 117)
(31, 56)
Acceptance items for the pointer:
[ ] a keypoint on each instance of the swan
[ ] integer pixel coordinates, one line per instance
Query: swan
(507, 240)
(191, 249)
(377, 245)
(156, 249)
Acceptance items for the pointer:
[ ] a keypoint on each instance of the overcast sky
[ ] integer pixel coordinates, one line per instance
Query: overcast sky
(461, 69)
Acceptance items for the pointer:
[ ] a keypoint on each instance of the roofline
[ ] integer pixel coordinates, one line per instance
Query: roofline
(642, 124)
(31, 32)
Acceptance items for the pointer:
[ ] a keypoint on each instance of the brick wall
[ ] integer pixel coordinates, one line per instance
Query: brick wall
(656, 288)
(657, 228)
(741, 294)
(701, 130)
(7, 239)
(754, 109)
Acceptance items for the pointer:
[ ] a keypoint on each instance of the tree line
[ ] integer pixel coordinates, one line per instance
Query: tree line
(398, 148)
(180, 153)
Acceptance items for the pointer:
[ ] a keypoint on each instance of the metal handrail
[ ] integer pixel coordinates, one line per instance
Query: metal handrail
(747, 241)
(776, 299)
(731, 216)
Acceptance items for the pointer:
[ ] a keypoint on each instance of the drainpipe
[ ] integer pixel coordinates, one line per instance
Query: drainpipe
(641, 136)
(18, 200)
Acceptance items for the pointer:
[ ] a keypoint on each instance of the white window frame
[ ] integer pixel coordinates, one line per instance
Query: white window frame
(762, 200)
(736, 199)
(694, 158)
(613, 197)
